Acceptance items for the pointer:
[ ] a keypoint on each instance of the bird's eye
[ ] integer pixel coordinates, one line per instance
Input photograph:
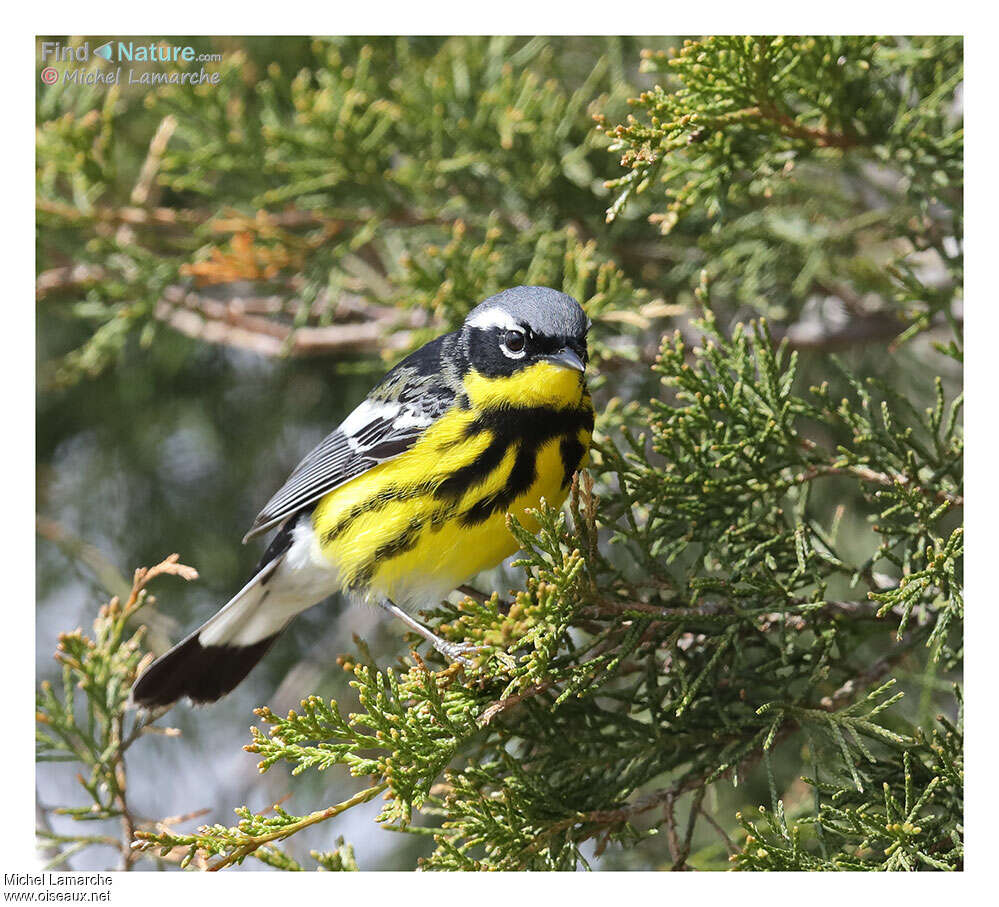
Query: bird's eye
(513, 344)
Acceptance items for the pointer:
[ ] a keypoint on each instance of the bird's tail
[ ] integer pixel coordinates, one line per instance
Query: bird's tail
(218, 655)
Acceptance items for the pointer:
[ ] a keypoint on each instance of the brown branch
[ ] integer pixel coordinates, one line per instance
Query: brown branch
(225, 222)
(502, 605)
(70, 277)
(143, 188)
(729, 843)
(126, 214)
(178, 854)
(242, 322)
(852, 687)
(503, 704)
(867, 474)
(117, 771)
(814, 334)
(672, 841)
(227, 322)
(791, 127)
(688, 838)
(820, 335)
(116, 768)
(715, 609)
(146, 840)
(258, 841)
(151, 165)
(229, 220)
(473, 593)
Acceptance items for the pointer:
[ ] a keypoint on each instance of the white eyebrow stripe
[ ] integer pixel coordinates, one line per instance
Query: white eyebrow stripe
(493, 318)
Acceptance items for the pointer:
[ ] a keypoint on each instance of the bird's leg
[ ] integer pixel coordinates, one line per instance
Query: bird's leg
(453, 650)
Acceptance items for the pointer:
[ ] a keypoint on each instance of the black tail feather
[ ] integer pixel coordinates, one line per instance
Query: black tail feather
(202, 673)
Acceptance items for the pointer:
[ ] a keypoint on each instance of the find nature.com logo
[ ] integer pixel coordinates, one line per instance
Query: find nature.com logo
(125, 53)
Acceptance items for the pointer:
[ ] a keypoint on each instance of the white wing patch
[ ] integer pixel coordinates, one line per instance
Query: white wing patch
(409, 418)
(367, 413)
(374, 432)
(379, 422)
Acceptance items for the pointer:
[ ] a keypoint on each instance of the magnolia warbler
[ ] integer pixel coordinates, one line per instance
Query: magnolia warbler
(408, 498)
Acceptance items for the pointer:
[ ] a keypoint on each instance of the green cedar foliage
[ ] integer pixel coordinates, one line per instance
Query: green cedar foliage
(86, 720)
(707, 663)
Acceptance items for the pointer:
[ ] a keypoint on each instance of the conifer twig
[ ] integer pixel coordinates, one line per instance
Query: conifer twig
(254, 842)
(882, 478)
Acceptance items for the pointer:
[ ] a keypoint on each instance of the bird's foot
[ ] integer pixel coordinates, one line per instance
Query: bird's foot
(456, 651)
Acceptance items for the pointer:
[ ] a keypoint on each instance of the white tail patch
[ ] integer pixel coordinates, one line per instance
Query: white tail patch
(288, 585)
(240, 622)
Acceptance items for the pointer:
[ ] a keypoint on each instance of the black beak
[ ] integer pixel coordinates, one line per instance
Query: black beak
(566, 358)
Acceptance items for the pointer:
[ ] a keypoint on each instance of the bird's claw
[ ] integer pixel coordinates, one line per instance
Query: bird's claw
(456, 651)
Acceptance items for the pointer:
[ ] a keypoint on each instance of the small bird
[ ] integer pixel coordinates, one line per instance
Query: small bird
(408, 498)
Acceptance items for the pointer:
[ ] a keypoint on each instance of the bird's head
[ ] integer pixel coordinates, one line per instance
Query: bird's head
(528, 343)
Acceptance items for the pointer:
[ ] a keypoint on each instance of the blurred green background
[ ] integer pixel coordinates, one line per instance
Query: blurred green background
(415, 176)
(177, 445)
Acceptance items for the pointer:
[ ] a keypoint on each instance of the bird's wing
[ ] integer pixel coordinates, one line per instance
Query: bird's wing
(410, 398)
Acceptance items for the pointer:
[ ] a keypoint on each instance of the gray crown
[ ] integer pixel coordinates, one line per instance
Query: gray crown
(545, 311)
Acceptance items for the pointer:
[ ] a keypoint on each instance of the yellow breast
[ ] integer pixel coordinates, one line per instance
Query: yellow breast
(415, 527)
